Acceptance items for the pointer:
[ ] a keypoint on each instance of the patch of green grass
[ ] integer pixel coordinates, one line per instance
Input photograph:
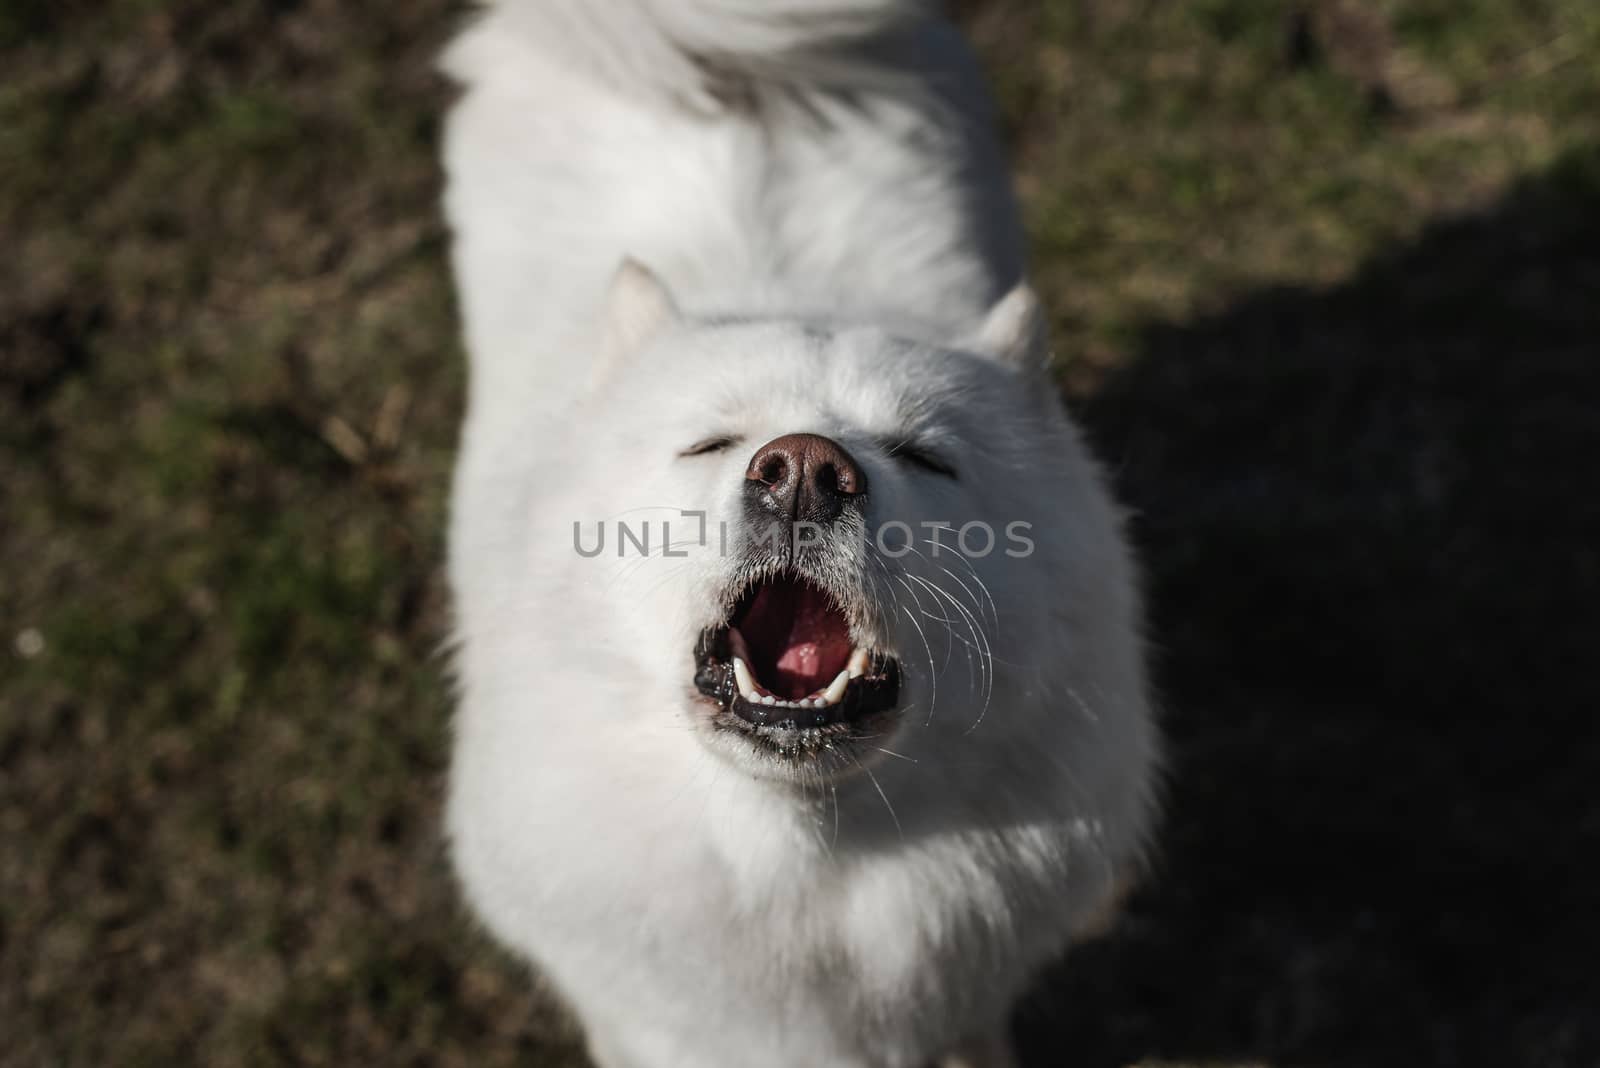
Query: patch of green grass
(1177, 155)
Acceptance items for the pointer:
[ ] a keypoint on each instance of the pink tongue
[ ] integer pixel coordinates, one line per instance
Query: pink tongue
(797, 639)
(803, 660)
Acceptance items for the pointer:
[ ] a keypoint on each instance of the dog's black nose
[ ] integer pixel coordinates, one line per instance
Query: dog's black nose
(804, 478)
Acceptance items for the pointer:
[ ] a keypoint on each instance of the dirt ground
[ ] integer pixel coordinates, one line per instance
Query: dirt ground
(1326, 286)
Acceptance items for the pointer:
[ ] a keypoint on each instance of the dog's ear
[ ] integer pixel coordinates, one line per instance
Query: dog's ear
(638, 306)
(1015, 332)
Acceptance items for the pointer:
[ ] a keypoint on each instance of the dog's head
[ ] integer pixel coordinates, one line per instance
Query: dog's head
(829, 541)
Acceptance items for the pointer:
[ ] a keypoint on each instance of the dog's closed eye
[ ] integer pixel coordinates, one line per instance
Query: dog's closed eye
(717, 443)
(914, 455)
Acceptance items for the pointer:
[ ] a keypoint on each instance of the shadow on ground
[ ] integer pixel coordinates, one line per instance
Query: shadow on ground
(1372, 521)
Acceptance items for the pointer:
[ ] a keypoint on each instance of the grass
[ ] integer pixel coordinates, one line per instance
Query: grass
(1326, 279)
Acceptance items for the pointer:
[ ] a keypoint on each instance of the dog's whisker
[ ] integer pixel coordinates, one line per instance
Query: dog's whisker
(876, 785)
(994, 613)
(979, 639)
(933, 674)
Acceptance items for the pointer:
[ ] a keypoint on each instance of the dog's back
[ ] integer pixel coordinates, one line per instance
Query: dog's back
(781, 155)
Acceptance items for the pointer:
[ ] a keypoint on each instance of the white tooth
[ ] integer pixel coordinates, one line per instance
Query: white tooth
(819, 702)
(858, 663)
(769, 700)
(747, 685)
(835, 691)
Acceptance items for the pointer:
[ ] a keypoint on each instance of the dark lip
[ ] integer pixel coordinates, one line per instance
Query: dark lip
(875, 691)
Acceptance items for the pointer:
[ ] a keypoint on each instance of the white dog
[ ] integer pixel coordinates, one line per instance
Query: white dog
(842, 732)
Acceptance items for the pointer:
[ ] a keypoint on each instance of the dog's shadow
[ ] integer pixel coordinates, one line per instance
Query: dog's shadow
(1371, 521)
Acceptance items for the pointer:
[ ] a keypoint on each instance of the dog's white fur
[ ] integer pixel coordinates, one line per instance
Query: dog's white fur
(814, 184)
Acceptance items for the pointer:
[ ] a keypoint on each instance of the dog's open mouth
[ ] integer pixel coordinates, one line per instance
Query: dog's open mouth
(786, 659)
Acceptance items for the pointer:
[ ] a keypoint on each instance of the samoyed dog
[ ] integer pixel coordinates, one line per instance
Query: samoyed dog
(802, 708)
